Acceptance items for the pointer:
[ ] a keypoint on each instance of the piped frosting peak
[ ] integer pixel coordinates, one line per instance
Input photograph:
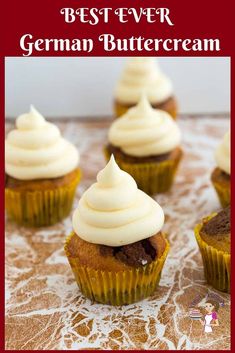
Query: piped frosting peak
(31, 120)
(36, 149)
(111, 175)
(144, 131)
(114, 212)
(140, 74)
(142, 109)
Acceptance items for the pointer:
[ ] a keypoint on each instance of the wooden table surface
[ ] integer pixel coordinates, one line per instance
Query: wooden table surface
(44, 307)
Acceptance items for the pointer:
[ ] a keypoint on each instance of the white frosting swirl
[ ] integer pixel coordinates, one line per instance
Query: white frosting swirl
(222, 154)
(143, 74)
(115, 212)
(144, 131)
(36, 150)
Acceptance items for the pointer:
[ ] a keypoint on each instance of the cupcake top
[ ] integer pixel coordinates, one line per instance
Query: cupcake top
(219, 224)
(216, 230)
(36, 150)
(143, 74)
(144, 131)
(222, 154)
(114, 212)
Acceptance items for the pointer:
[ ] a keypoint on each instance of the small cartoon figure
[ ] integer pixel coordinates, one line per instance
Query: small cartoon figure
(195, 314)
(211, 319)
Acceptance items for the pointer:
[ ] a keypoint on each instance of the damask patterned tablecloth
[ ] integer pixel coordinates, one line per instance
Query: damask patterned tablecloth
(44, 307)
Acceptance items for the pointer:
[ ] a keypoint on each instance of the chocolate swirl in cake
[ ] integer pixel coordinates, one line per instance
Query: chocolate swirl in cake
(219, 224)
(140, 253)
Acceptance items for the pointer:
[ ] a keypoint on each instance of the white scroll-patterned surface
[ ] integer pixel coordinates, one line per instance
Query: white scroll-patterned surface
(44, 307)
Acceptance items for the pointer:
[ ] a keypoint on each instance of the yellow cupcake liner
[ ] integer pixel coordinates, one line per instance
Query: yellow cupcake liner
(40, 207)
(120, 109)
(173, 112)
(223, 192)
(216, 263)
(152, 178)
(117, 288)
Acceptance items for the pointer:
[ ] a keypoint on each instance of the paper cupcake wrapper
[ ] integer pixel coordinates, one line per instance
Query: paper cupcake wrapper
(117, 288)
(152, 178)
(121, 109)
(216, 264)
(40, 208)
(223, 193)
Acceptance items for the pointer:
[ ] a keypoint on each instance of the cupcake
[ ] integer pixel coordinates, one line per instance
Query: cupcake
(41, 172)
(213, 237)
(146, 144)
(117, 249)
(221, 175)
(143, 75)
